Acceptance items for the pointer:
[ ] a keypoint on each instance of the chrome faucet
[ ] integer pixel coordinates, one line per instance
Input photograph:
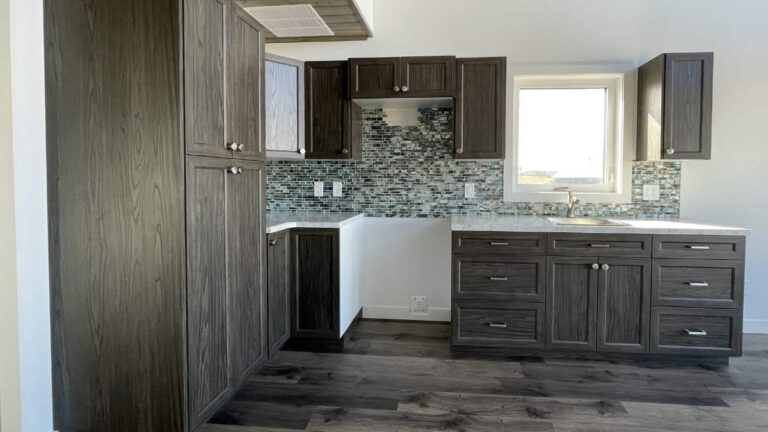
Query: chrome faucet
(572, 201)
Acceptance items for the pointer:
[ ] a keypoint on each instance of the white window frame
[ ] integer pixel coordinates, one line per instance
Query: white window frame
(619, 139)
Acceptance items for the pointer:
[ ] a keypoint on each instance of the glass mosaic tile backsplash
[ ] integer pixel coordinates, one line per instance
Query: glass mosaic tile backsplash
(408, 170)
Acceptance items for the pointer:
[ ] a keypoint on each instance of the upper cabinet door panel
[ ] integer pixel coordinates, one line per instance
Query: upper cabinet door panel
(480, 108)
(246, 116)
(427, 76)
(206, 25)
(688, 106)
(374, 77)
(327, 110)
(284, 100)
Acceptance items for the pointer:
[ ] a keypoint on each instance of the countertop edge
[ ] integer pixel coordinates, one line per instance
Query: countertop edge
(282, 226)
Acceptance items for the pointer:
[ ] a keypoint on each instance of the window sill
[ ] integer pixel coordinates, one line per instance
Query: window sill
(561, 197)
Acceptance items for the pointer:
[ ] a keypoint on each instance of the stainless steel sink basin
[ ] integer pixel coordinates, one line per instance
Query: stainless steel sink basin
(584, 221)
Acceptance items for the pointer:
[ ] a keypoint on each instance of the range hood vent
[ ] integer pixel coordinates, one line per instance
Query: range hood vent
(291, 20)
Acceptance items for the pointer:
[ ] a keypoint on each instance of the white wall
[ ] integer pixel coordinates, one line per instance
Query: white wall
(350, 273)
(29, 205)
(552, 33)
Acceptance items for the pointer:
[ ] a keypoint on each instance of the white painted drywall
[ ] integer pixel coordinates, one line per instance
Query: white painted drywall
(406, 257)
(10, 377)
(554, 34)
(350, 273)
(30, 206)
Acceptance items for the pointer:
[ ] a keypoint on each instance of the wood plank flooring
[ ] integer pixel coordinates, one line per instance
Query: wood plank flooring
(395, 376)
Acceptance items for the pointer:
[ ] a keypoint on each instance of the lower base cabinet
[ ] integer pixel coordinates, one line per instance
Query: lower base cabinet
(278, 290)
(315, 283)
(604, 293)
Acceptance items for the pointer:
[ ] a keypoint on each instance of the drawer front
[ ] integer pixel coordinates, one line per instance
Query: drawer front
(599, 244)
(695, 331)
(492, 277)
(698, 283)
(706, 247)
(498, 324)
(498, 243)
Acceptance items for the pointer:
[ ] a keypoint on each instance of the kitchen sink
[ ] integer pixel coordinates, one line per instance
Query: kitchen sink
(584, 221)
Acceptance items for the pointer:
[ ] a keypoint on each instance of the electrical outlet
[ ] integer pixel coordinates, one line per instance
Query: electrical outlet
(469, 190)
(337, 189)
(651, 192)
(419, 304)
(319, 189)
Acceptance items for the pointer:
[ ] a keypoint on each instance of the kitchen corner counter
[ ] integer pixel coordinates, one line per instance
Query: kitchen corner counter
(279, 221)
(633, 226)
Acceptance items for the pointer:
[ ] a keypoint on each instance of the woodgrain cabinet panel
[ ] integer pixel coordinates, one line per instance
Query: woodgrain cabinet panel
(699, 247)
(571, 303)
(696, 331)
(374, 77)
(427, 76)
(499, 243)
(279, 289)
(483, 323)
(636, 245)
(315, 279)
(624, 305)
(504, 278)
(698, 283)
(480, 108)
(284, 106)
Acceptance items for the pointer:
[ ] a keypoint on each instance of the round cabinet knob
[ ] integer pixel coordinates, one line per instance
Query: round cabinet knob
(240, 147)
(232, 170)
(344, 151)
(272, 242)
(302, 151)
(396, 88)
(605, 267)
(239, 170)
(404, 89)
(233, 147)
(595, 266)
(670, 151)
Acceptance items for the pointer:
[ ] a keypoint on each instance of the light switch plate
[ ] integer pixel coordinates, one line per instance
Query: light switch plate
(319, 189)
(469, 190)
(651, 192)
(337, 189)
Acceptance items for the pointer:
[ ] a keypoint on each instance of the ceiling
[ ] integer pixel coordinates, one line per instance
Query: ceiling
(342, 16)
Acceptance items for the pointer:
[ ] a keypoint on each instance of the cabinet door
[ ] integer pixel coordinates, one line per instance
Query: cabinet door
(375, 77)
(246, 269)
(207, 336)
(206, 25)
(571, 303)
(329, 114)
(279, 290)
(315, 281)
(284, 106)
(427, 76)
(480, 108)
(246, 87)
(687, 106)
(624, 295)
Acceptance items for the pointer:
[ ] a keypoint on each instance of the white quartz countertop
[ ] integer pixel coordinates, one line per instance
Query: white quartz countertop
(279, 221)
(633, 226)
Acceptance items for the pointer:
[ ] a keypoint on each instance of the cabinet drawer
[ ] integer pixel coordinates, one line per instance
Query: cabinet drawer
(600, 244)
(707, 247)
(498, 324)
(513, 278)
(498, 243)
(698, 283)
(695, 331)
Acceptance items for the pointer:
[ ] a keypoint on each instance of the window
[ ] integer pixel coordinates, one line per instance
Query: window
(567, 132)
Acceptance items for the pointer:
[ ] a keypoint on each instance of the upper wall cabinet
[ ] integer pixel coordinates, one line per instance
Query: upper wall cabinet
(332, 122)
(284, 94)
(391, 77)
(480, 108)
(674, 118)
(223, 114)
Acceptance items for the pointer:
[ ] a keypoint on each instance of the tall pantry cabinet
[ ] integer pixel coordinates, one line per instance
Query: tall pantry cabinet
(156, 182)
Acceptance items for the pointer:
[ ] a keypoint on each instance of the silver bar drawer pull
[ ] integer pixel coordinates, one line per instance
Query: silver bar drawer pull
(498, 278)
(698, 247)
(599, 245)
(697, 284)
(499, 244)
(497, 324)
(695, 332)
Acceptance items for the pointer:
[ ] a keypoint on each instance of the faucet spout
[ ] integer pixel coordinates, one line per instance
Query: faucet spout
(572, 201)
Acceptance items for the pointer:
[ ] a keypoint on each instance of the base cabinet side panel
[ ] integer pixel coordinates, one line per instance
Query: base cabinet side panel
(279, 290)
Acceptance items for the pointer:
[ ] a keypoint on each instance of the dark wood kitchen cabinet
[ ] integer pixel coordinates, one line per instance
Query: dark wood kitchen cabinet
(480, 108)
(315, 279)
(623, 304)
(157, 259)
(278, 289)
(674, 118)
(572, 284)
(224, 80)
(226, 280)
(394, 77)
(333, 123)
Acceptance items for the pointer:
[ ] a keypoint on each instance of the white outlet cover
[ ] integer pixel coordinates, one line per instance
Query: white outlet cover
(651, 192)
(319, 189)
(337, 189)
(419, 304)
(469, 190)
